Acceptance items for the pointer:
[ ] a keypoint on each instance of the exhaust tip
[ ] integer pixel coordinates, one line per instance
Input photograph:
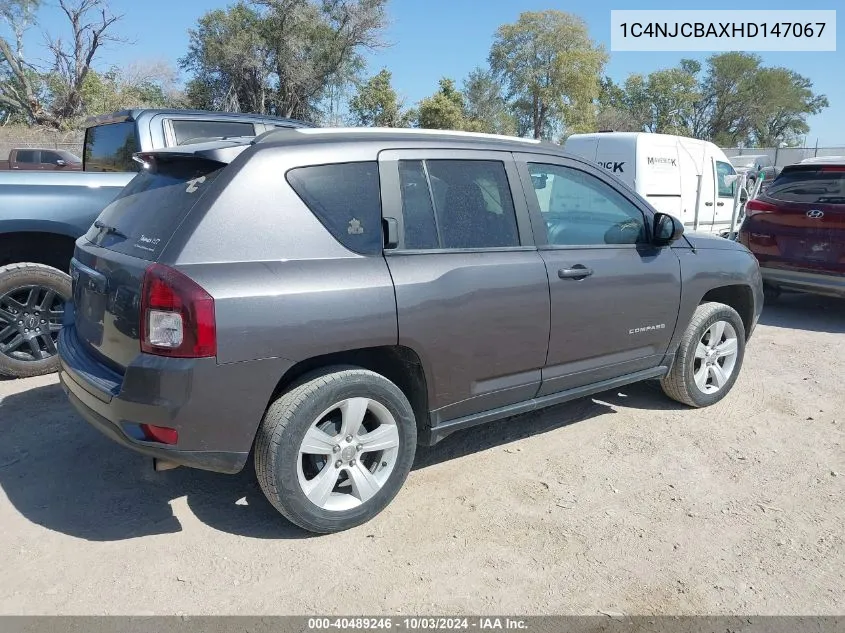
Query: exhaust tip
(160, 465)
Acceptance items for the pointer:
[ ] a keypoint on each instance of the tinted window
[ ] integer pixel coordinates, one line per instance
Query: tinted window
(50, 157)
(346, 198)
(816, 185)
(110, 147)
(27, 156)
(726, 184)
(143, 217)
(580, 209)
(417, 208)
(457, 204)
(194, 131)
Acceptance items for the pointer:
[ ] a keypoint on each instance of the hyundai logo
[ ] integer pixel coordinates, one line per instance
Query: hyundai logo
(815, 214)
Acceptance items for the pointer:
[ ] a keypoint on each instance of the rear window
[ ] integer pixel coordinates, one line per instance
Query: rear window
(346, 198)
(110, 147)
(196, 131)
(823, 185)
(141, 220)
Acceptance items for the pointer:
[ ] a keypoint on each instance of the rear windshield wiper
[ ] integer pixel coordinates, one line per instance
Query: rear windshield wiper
(109, 230)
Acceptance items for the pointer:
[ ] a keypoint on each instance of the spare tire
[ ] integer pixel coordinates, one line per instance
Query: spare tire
(32, 304)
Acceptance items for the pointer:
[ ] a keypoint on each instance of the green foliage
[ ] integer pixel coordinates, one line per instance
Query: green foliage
(376, 104)
(283, 57)
(484, 105)
(551, 69)
(737, 101)
(444, 110)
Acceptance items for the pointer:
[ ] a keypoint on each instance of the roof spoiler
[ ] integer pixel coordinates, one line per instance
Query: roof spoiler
(224, 151)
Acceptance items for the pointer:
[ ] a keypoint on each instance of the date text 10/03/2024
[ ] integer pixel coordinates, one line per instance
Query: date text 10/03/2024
(417, 623)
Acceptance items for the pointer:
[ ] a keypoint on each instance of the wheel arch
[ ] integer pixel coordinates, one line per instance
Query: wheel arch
(740, 297)
(398, 363)
(38, 247)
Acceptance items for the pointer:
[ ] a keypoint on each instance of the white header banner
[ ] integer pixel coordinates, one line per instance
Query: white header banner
(723, 30)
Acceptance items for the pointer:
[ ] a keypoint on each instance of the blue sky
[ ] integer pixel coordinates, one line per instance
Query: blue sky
(435, 38)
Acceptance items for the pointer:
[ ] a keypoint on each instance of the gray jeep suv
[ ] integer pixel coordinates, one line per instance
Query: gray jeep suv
(328, 299)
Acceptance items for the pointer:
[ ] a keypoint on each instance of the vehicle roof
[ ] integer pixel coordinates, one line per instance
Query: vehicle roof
(835, 160)
(225, 150)
(405, 136)
(133, 114)
(636, 136)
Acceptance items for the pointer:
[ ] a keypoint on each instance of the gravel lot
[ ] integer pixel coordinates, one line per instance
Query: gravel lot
(620, 503)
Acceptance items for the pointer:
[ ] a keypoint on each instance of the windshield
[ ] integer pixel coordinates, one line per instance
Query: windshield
(141, 220)
(819, 185)
(743, 161)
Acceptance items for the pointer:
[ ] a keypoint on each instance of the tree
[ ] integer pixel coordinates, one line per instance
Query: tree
(376, 104)
(729, 95)
(444, 110)
(58, 100)
(151, 85)
(280, 56)
(484, 104)
(551, 69)
(788, 99)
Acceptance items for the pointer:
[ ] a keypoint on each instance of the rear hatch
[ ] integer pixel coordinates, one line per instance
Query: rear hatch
(799, 223)
(125, 241)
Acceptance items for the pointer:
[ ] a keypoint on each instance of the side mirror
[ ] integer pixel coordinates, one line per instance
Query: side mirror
(61, 163)
(666, 229)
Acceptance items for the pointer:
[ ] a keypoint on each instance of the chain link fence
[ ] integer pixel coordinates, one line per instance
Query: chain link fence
(18, 137)
(783, 156)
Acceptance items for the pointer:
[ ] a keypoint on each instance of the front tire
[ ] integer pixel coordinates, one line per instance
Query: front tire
(709, 357)
(333, 452)
(32, 298)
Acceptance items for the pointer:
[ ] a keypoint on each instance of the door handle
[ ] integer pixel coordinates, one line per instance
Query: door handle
(708, 204)
(576, 272)
(720, 204)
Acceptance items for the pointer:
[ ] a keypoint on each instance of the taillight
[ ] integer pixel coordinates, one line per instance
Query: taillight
(177, 315)
(759, 206)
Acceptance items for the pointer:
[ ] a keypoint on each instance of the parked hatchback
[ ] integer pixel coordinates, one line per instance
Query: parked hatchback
(796, 229)
(328, 299)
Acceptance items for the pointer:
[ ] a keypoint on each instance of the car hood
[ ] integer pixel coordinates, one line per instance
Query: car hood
(710, 242)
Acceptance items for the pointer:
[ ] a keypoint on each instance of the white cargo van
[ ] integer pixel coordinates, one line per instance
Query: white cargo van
(690, 179)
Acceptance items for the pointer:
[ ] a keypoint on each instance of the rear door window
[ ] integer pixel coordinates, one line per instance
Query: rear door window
(188, 131)
(820, 185)
(27, 156)
(457, 204)
(110, 147)
(346, 198)
(141, 220)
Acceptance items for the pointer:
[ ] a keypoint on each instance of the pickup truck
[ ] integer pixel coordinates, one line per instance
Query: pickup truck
(41, 159)
(42, 215)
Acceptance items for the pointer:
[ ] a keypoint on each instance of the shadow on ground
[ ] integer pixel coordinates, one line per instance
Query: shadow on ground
(60, 473)
(805, 312)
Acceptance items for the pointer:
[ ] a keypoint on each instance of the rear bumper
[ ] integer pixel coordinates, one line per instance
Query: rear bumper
(818, 283)
(216, 409)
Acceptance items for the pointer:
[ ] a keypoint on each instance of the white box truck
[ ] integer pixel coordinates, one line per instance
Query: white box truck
(685, 177)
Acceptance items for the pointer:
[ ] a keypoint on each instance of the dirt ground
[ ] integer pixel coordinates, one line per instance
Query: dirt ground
(622, 503)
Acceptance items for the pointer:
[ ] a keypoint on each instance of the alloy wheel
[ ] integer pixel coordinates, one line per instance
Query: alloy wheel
(348, 454)
(30, 321)
(715, 357)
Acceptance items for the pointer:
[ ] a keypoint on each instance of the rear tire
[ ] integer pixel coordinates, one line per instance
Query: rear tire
(709, 358)
(333, 451)
(21, 329)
